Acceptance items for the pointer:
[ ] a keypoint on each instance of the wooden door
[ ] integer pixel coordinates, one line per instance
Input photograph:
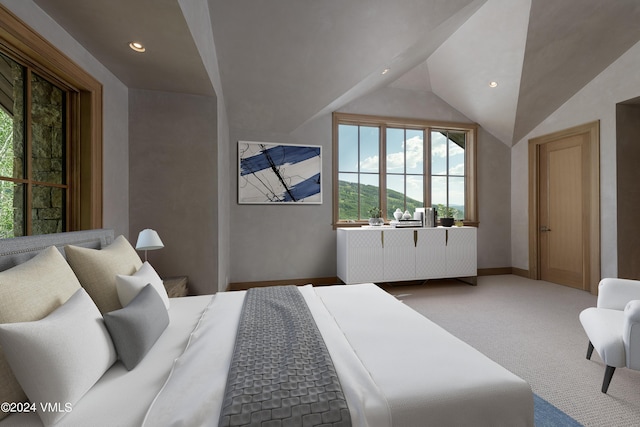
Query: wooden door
(563, 215)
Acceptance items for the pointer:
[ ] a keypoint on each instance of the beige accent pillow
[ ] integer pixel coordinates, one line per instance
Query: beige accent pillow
(28, 292)
(97, 269)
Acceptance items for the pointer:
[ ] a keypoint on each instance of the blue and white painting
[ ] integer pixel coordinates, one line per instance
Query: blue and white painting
(279, 173)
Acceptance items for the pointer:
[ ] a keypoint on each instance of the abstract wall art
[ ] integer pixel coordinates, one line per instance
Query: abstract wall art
(279, 173)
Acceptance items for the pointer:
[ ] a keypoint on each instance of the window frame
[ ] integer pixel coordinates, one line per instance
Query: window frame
(470, 129)
(84, 120)
(27, 179)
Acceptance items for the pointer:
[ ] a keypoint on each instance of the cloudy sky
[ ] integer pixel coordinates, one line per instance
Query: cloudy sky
(402, 154)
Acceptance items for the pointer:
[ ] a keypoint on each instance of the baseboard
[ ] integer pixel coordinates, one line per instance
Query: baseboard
(495, 271)
(520, 272)
(316, 281)
(323, 281)
(503, 270)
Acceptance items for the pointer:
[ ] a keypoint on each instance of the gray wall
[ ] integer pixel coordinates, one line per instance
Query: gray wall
(283, 242)
(198, 17)
(173, 188)
(293, 242)
(494, 202)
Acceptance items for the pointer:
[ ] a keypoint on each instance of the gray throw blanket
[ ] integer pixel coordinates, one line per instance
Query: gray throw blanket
(281, 373)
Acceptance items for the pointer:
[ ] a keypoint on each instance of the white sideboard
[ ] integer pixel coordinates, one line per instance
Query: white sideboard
(386, 254)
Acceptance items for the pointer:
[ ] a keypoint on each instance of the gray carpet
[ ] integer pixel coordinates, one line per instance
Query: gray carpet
(532, 329)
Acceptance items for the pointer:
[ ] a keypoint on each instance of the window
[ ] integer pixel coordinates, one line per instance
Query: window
(33, 153)
(50, 137)
(448, 172)
(402, 164)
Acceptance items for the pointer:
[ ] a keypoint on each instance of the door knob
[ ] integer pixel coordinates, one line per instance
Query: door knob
(544, 228)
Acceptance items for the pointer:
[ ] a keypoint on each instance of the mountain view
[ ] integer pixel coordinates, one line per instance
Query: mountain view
(370, 199)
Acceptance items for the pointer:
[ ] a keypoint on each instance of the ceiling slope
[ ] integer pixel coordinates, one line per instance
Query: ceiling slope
(283, 63)
(568, 44)
(462, 68)
(105, 28)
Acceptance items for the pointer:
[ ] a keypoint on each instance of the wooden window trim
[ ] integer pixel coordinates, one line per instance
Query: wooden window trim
(85, 130)
(471, 193)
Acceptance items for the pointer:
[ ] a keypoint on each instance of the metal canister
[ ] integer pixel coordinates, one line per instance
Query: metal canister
(429, 217)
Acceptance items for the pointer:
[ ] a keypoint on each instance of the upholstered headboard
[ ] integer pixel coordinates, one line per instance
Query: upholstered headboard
(20, 249)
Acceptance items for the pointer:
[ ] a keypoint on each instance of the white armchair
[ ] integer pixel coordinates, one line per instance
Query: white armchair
(613, 326)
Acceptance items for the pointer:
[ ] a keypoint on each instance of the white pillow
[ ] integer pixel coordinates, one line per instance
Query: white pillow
(130, 286)
(31, 291)
(59, 358)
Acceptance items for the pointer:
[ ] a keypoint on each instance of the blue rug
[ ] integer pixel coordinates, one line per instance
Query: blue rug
(547, 415)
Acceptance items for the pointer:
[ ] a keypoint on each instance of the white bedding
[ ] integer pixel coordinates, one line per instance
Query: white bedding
(428, 376)
(396, 368)
(121, 397)
(194, 392)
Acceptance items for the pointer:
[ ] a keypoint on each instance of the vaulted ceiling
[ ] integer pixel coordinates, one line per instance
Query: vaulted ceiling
(284, 62)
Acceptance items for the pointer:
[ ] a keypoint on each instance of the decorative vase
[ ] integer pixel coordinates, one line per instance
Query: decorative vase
(407, 215)
(446, 222)
(397, 214)
(376, 221)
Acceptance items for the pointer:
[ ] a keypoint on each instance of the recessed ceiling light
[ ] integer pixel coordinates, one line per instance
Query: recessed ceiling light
(493, 84)
(137, 46)
(385, 71)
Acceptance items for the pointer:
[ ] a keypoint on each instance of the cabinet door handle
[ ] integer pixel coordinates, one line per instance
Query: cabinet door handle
(446, 237)
(415, 238)
(382, 238)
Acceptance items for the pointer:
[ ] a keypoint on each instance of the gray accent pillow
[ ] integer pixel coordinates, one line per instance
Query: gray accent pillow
(135, 328)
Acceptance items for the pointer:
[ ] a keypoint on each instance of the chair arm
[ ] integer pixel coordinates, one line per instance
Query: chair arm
(631, 334)
(616, 293)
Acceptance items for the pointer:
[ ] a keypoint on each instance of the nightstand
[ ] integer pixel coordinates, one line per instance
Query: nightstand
(176, 286)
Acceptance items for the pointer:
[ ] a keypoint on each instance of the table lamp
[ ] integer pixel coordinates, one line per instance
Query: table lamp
(148, 240)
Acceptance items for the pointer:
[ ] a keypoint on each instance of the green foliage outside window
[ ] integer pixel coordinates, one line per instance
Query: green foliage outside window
(6, 170)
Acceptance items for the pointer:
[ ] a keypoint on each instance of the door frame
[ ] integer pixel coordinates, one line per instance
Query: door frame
(591, 237)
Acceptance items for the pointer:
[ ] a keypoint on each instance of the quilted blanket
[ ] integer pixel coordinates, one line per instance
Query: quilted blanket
(281, 372)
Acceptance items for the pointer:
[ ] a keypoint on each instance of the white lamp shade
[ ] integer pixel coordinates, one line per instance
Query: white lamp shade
(149, 240)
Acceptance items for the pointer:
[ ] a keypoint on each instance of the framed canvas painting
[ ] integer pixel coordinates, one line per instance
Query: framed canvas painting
(279, 173)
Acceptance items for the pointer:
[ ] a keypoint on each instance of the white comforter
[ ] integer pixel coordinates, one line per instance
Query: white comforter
(395, 366)
(428, 376)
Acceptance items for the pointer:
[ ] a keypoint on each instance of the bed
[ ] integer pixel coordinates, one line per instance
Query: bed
(395, 367)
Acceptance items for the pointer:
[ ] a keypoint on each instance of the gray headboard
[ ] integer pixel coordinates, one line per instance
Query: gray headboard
(20, 249)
